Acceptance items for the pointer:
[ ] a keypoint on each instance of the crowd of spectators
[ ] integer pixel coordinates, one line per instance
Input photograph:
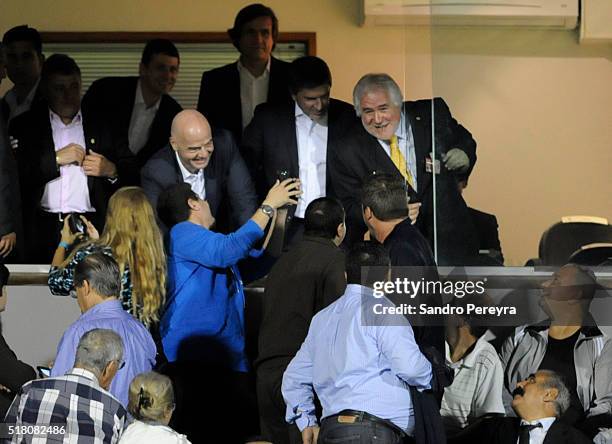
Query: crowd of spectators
(154, 218)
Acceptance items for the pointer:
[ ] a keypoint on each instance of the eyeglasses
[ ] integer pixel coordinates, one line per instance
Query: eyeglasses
(120, 364)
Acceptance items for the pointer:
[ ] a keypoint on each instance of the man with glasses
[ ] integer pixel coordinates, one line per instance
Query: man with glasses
(98, 282)
(75, 407)
(209, 161)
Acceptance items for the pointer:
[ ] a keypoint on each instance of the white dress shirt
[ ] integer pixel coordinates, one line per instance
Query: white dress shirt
(537, 435)
(15, 109)
(253, 91)
(195, 180)
(69, 193)
(141, 121)
(405, 139)
(312, 158)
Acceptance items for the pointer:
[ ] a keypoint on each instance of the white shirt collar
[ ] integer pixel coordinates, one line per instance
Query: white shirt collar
(546, 422)
(140, 99)
(244, 70)
(55, 119)
(184, 171)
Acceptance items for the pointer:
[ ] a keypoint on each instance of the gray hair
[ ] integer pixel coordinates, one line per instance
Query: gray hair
(97, 348)
(102, 273)
(376, 81)
(151, 396)
(555, 380)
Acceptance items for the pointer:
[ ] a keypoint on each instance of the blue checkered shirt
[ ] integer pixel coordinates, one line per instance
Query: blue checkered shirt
(89, 414)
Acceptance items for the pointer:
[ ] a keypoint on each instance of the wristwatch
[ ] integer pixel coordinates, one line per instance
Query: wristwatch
(267, 210)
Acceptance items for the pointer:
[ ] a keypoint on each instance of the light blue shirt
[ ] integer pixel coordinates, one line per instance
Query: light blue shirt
(356, 359)
(405, 139)
(138, 347)
(537, 435)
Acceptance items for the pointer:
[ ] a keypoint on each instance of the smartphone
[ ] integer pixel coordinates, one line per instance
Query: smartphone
(76, 224)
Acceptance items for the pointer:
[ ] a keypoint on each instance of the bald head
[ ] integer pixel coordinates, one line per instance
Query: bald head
(191, 138)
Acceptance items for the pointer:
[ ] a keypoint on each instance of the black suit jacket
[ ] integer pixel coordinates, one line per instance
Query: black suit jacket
(13, 374)
(506, 431)
(113, 98)
(219, 98)
(226, 177)
(36, 164)
(486, 228)
(363, 156)
(270, 145)
(304, 280)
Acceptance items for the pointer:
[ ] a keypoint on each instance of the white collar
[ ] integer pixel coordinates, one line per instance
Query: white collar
(78, 118)
(139, 99)
(184, 171)
(244, 69)
(546, 422)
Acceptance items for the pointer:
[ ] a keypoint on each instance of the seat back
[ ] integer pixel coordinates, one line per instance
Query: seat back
(593, 254)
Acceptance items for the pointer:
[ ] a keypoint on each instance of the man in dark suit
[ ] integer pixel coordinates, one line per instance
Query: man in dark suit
(539, 401)
(140, 108)
(229, 94)
(303, 281)
(24, 61)
(395, 138)
(209, 160)
(9, 192)
(67, 162)
(296, 139)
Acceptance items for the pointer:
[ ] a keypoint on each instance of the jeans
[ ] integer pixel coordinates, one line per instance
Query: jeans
(364, 432)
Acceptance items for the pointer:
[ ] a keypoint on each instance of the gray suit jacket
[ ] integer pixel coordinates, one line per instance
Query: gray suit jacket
(226, 179)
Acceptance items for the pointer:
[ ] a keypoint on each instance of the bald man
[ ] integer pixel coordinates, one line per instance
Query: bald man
(209, 161)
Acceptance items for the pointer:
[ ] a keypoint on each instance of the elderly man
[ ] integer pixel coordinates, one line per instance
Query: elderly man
(68, 160)
(395, 138)
(24, 61)
(140, 108)
(209, 161)
(75, 407)
(358, 362)
(98, 282)
(571, 344)
(297, 138)
(229, 94)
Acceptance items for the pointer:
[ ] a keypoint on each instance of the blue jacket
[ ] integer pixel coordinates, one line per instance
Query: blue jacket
(204, 316)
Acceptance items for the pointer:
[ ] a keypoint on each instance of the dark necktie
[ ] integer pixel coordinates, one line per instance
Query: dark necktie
(524, 430)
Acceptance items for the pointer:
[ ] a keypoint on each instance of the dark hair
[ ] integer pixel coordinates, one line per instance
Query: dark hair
(58, 64)
(386, 196)
(23, 33)
(322, 217)
(102, 273)
(476, 322)
(367, 254)
(248, 13)
(158, 46)
(173, 206)
(308, 72)
(4, 276)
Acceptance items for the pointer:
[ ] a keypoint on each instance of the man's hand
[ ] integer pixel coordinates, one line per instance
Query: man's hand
(310, 435)
(7, 243)
(71, 154)
(413, 211)
(456, 159)
(98, 166)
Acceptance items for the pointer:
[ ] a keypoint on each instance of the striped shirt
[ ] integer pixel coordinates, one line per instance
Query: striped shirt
(74, 405)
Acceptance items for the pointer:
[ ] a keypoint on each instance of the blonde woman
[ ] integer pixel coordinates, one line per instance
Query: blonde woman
(132, 237)
(151, 403)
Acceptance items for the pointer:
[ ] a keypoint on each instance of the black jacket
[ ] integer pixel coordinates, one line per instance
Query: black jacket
(13, 374)
(219, 98)
(112, 98)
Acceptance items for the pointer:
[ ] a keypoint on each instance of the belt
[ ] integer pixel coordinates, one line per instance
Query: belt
(351, 416)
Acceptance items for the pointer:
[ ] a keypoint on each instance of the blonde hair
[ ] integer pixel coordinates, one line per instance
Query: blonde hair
(132, 233)
(151, 397)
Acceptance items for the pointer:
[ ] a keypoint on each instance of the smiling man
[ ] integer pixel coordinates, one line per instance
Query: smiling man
(209, 160)
(395, 138)
(298, 138)
(230, 93)
(140, 108)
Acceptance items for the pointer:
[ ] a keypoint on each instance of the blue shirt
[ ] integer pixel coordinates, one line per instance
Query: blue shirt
(356, 359)
(138, 347)
(204, 317)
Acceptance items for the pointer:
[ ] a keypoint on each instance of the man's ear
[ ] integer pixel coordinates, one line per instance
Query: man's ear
(550, 394)
(85, 286)
(141, 69)
(173, 144)
(367, 213)
(194, 204)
